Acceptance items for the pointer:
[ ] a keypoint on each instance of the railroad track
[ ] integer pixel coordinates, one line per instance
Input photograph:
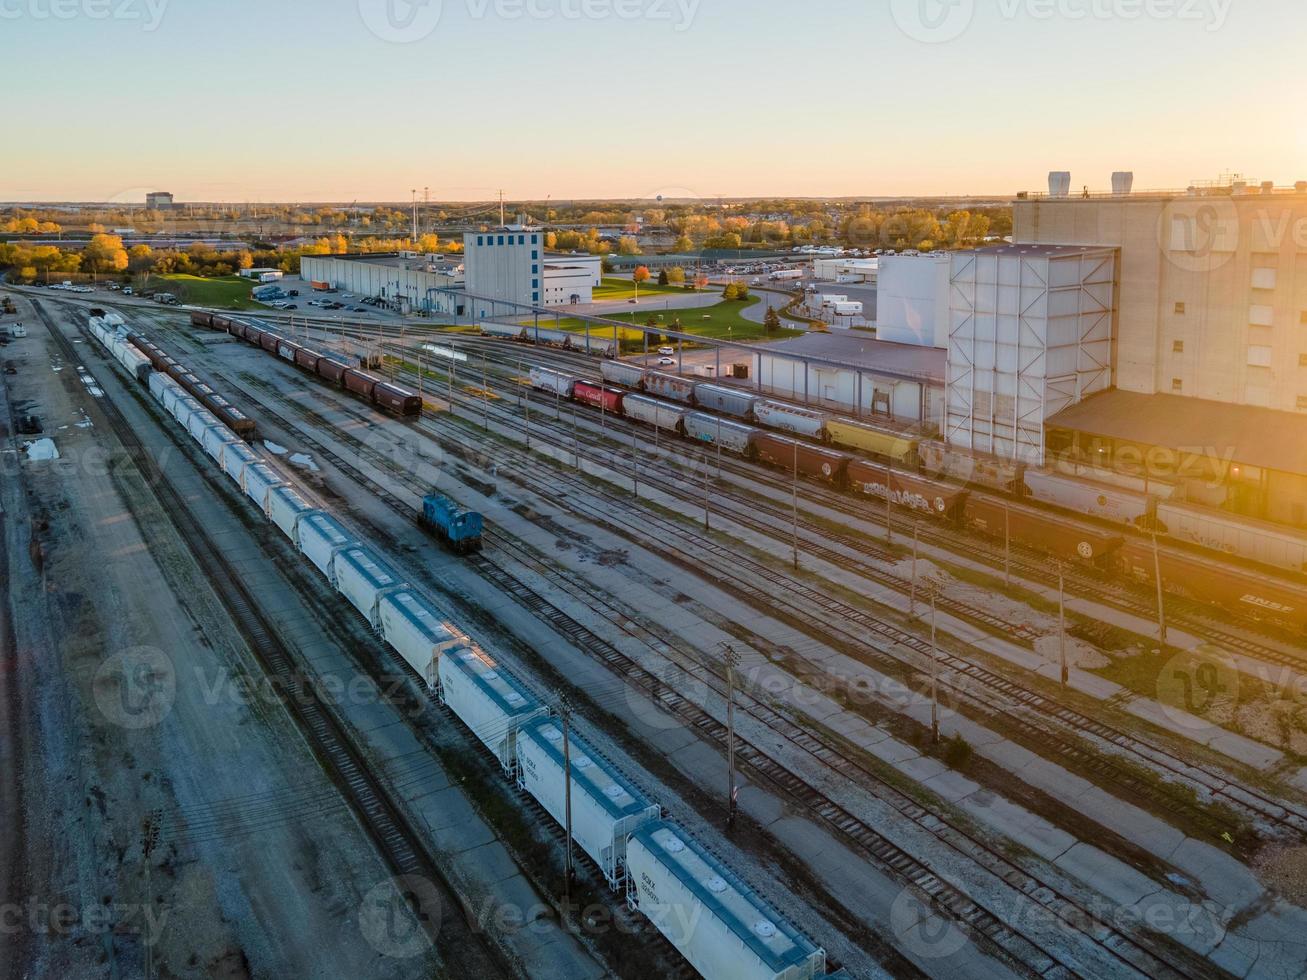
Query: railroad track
(1250, 637)
(1290, 817)
(882, 852)
(397, 840)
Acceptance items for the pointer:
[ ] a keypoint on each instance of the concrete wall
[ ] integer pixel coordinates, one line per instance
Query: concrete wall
(912, 300)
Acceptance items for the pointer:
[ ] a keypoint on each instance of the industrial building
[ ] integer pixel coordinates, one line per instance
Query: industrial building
(848, 372)
(1212, 307)
(505, 265)
(1030, 334)
(159, 201)
(848, 270)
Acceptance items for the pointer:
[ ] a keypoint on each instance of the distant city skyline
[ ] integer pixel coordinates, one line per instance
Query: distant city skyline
(345, 100)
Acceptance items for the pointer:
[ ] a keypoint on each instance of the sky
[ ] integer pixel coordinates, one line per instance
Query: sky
(345, 100)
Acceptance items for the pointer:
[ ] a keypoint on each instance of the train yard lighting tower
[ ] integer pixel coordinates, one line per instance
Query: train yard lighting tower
(732, 790)
(794, 503)
(912, 592)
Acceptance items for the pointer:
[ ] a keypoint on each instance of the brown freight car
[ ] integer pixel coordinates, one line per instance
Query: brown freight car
(269, 341)
(1260, 596)
(333, 371)
(199, 319)
(1062, 538)
(811, 461)
(287, 350)
(360, 382)
(942, 500)
(392, 398)
(308, 359)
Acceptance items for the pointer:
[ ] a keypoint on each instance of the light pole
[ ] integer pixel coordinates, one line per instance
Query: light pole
(732, 661)
(934, 675)
(1061, 621)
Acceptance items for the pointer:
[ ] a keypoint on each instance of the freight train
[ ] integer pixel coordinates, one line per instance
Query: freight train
(389, 397)
(1003, 518)
(661, 871)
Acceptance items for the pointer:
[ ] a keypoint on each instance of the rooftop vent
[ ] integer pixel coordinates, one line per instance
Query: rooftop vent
(1123, 182)
(1059, 183)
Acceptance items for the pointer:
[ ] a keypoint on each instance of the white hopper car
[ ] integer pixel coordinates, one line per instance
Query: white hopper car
(791, 418)
(321, 539)
(606, 807)
(364, 579)
(235, 459)
(554, 382)
(655, 412)
(486, 700)
(286, 508)
(1246, 537)
(717, 922)
(418, 632)
(714, 429)
(258, 480)
(1100, 500)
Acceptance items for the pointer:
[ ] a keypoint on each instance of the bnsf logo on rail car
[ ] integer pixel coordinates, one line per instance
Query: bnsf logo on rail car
(1085, 549)
(1259, 602)
(826, 469)
(940, 505)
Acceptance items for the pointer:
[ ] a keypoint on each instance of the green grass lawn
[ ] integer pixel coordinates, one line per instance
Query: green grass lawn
(619, 289)
(229, 292)
(725, 321)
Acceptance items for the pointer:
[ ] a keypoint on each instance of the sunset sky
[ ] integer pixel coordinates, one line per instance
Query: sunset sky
(335, 100)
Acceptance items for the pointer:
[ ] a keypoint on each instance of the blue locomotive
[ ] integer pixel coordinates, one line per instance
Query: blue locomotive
(460, 529)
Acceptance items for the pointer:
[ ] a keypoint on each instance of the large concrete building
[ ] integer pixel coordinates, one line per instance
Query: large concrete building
(1213, 299)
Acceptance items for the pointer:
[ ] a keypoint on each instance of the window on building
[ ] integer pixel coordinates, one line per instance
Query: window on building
(535, 283)
(1302, 360)
(501, 239)
(1177, 347)
(481, 241)
(1259, 356)
(535, 254)
(1179, 309)
(1264, 278)
(535, 297)
(535, 270)
(1177, 384)
(1261, 316)
(535, 239)
(1302, 317)
(1302, 402)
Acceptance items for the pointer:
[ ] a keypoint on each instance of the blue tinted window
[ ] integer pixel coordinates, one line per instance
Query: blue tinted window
(535, 283)
(535, 297)
(535, 253)
(535, 239)
(480, 240)
(535, 270)
(521, 239)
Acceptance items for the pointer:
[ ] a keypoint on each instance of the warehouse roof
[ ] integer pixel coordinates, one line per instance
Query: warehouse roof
(857, 351)
(1261, 437)
(1042, 251)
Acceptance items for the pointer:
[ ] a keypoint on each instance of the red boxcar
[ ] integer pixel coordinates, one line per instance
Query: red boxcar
(598, 396)
(812, 461)
(360, 382)
(287, 350)
(199, 319)
(395, 399)
(1237, 589)
(333, 371)
(1058, 536)
(308, 359)
(269, 341)
(924, 496)
(221, 322)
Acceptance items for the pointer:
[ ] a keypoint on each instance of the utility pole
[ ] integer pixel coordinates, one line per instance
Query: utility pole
(415, 215)
(149, 840)
(635, 464)
(1007, 545)
(705, 493)
(1061, 621)
(934, 676)
(502, 222)
(912, 593)
(576, 440)
(565, 716)
(732, 661)
(1161, 605)
(453, 380)
(485, 398)
(794, 504)
(889, 499)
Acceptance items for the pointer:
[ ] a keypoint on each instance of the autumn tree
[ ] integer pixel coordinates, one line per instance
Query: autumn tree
(641, 273)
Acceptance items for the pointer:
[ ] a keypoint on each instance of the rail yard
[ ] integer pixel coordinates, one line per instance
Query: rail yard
(825, 709)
